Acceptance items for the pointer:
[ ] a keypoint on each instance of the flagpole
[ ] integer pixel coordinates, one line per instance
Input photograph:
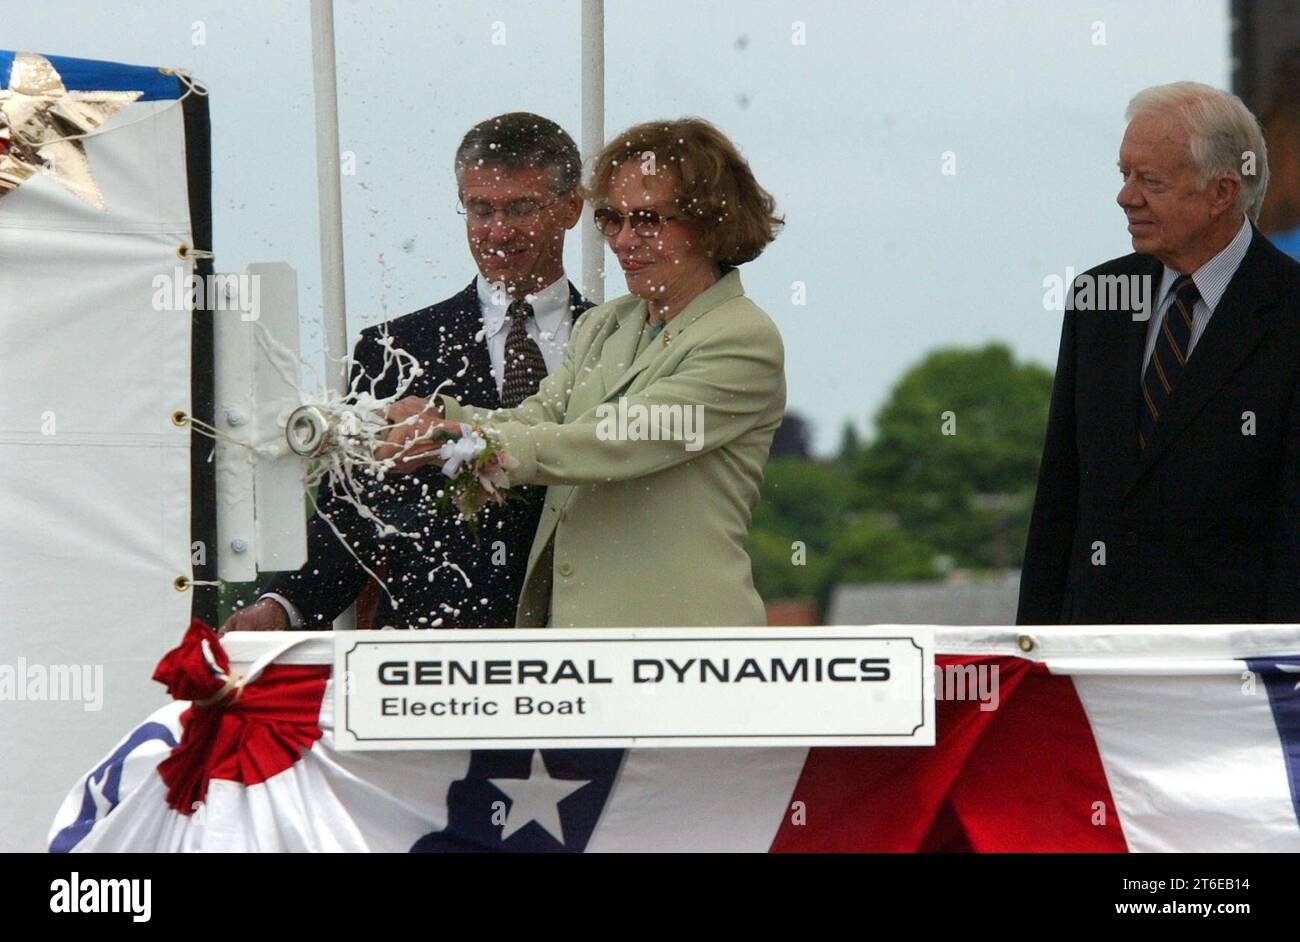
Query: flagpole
(330, 202)
(593, 138)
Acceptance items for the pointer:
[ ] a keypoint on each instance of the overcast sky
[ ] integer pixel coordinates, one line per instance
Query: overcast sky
(848, 130)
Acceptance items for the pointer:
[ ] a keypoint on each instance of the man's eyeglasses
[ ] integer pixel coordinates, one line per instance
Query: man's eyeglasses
(645, 222)
(521, 210)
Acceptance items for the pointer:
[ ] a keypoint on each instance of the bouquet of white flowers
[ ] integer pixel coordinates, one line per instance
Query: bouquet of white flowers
(477, 468)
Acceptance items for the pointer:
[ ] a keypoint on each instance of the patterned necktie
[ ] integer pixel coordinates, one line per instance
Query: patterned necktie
(525, 367)
(1168, 358)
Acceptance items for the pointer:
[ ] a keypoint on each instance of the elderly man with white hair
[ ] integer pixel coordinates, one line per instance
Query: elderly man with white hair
(1169, 488)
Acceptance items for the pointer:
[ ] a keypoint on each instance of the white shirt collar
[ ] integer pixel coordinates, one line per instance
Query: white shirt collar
(1212, 278)
(550, 305)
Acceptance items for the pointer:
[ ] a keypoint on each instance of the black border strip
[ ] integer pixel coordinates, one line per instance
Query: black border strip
(203, 473)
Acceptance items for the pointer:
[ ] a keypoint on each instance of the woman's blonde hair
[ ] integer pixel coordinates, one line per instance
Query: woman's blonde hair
(715, 187)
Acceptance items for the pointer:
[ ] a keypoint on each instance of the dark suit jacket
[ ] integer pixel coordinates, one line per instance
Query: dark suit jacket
(1204, 524)
(442, 337)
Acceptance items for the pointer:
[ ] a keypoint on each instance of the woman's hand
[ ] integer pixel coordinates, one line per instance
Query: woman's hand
(412, 439)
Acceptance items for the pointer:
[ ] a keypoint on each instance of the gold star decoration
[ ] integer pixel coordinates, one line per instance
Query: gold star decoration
(42, 123)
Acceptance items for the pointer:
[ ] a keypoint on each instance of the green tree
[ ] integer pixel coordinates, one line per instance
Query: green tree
(807, 536)
(956, 452)
(850, 445)
(872, 548)
(803, 504)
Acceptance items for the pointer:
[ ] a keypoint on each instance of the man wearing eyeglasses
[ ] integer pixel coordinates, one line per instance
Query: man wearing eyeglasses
(517, 178)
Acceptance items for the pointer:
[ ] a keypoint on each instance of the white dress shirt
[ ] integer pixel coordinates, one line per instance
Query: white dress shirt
(549, 326)
(1211, 280)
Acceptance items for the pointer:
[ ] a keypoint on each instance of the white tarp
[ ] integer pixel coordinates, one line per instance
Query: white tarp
(94, 475)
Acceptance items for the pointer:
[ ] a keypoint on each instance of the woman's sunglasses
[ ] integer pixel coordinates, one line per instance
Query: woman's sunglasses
(645, 222)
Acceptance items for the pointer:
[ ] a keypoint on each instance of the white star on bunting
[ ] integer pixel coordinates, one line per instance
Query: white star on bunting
(536, 798)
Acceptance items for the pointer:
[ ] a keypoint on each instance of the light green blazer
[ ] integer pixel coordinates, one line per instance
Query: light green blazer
(646, 533)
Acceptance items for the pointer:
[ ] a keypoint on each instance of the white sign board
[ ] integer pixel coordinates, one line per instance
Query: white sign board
(643, 687)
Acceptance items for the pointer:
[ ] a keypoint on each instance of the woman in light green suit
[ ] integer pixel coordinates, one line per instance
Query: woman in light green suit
(653, 435)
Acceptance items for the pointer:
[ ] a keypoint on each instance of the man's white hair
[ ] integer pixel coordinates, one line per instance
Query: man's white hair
(1224, 137)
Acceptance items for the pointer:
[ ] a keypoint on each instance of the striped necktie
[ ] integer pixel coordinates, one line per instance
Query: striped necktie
(1168, 358)
(525, 367)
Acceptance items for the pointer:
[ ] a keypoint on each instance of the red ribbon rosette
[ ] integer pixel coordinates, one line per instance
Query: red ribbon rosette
(236, 730)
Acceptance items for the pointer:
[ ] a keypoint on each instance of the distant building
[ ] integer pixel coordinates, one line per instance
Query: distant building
(955, 602)
(791, 613)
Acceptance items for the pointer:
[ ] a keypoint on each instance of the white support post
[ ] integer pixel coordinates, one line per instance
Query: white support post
(330, 197)
(593, 138)
(259, 501)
